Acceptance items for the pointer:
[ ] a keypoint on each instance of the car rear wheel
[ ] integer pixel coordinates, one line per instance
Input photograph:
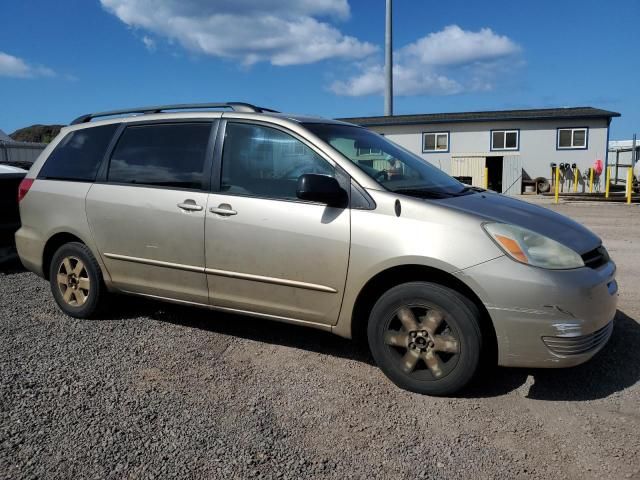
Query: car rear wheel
(76, 281)
(426, 338)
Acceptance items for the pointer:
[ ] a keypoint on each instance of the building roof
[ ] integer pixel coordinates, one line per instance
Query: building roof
(488, 116)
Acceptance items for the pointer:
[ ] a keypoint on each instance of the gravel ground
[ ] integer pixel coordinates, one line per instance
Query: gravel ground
(166, 391)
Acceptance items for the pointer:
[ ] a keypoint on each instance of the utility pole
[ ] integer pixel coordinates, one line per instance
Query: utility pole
(388, 65)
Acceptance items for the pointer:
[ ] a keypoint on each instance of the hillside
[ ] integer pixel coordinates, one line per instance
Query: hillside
(36, 133)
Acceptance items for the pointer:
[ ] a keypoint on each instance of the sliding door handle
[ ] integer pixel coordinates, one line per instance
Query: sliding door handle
(223, 209)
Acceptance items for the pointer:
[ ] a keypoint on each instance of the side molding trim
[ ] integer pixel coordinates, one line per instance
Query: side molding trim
(224, 273)
(273, 280)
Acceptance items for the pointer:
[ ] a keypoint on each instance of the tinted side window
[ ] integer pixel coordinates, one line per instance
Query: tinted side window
(266, 162)
(78, 156)
(170, 155)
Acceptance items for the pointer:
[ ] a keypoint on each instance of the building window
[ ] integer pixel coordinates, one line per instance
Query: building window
(572, 138)
(435, 142)
(505, 139)
(369, 151)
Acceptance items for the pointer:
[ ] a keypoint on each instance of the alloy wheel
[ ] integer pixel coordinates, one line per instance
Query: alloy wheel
(73, 281)
(423, 343)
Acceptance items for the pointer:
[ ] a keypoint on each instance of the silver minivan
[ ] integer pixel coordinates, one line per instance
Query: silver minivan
(313, 222)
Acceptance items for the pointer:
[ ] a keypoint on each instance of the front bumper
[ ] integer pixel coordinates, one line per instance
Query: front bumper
(546, 318)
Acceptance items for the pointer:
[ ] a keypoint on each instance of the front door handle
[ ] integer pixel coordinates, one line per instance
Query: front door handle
(190, 206)
(223, 209)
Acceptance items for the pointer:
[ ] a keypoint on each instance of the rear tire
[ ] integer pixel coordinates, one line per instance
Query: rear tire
(426, 338)
(76, 281)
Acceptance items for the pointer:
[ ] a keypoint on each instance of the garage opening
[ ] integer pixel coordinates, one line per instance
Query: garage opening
(494, 167)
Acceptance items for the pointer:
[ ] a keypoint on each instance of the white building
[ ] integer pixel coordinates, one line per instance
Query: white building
(515, 146)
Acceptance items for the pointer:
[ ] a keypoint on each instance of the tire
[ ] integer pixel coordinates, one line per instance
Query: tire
(543, 185)
(426, 338)
(83, 293)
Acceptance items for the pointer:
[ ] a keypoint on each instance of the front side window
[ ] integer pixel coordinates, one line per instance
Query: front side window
(572, 138)
(167, 155)
(394, 168)
(505, 139)
(266, 162)
(435, 142)
(77, 157)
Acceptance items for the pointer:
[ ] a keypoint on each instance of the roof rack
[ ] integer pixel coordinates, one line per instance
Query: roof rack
(235, 106)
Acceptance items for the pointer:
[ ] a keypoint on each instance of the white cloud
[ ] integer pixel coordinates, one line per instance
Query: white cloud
(450, 61)
(149, 42)
(11, 66)
(283, 32)
(455, 46)
(406, 81)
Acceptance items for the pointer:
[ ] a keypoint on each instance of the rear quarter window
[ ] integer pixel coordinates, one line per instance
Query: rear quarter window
(77, 157)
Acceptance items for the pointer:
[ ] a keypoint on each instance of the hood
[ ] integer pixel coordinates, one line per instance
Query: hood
(499, 208)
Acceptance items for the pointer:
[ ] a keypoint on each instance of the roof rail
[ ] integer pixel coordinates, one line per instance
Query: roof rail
(235, 106)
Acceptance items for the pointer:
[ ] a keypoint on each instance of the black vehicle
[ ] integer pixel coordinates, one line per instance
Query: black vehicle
(10, 178)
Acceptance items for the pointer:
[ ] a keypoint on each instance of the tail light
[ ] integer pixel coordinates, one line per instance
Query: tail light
(24, 187)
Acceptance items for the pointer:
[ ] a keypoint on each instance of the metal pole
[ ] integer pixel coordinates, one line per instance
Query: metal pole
(388, 65)
(557, 175)
(634, 159)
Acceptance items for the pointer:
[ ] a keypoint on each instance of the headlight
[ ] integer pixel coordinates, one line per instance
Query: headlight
(532, 248)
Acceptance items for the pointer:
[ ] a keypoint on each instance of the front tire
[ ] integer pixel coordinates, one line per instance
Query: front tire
(76, 281)
(426, 338)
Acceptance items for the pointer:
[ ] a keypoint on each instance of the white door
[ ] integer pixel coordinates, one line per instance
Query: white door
(469, 167)
(511, 175)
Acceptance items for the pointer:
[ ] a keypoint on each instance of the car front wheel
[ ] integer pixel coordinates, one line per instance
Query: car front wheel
(426, 338)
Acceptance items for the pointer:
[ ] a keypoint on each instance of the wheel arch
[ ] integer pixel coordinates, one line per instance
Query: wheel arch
(396, 275)
(52, 245)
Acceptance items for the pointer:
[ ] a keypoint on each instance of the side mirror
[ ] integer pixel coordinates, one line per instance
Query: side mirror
(314, 187)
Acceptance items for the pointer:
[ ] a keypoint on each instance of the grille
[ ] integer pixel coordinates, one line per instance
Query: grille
(596, 257)
(577, 345)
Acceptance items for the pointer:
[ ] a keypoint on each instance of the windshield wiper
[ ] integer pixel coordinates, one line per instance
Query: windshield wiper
(468, 188)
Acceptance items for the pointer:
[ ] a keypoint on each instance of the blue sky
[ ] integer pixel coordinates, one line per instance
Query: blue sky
(317, 56)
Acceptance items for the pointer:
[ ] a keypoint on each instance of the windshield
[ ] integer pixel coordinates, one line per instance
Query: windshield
(390, 165)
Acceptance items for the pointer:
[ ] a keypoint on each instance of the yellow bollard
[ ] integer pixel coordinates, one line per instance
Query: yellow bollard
(591, 180)
(575, 179)
(629, 184)
(607, 180)
(557, 183)
(486, 179)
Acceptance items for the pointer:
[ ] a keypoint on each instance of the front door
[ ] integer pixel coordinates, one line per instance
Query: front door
(266, 250)
(148, 215)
